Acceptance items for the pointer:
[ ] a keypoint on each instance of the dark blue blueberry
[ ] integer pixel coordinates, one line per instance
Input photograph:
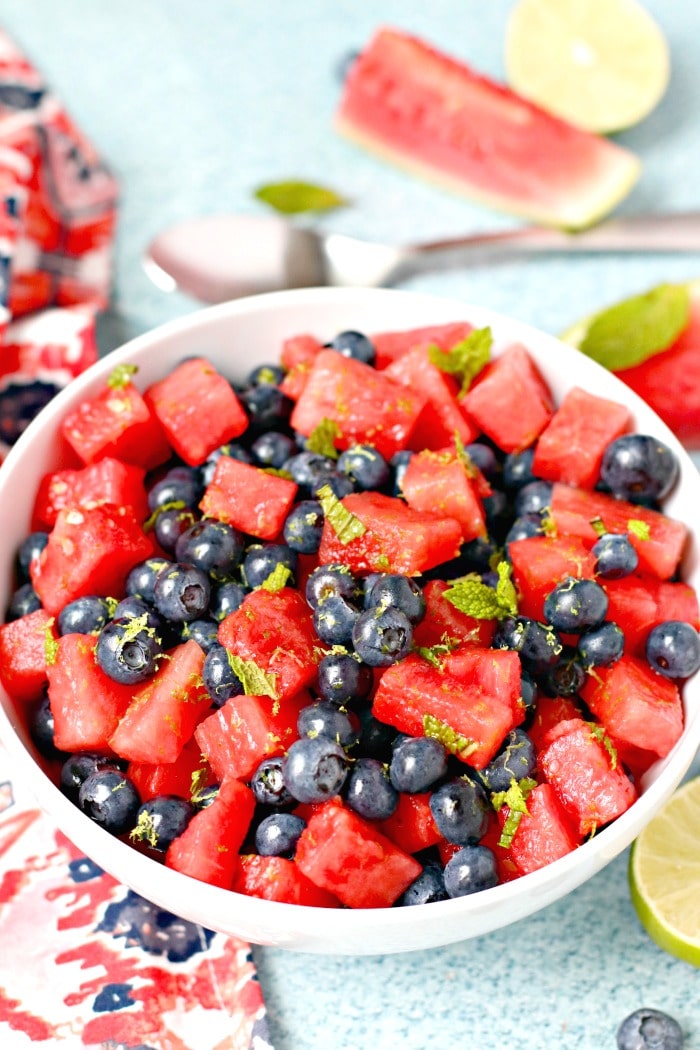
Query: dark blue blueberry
(533, 498)
(179, 485)
(369, 791)
(537, 644)
(219, 678)
(110, 799)
(334, 620)
(638, 466)
(401, 592)
(265, 375)
(330, 579)
(169, 523)
(343, 678)
(382, 636)
(205, 796)
(575, 605)
(516, 760)
(277, 834)
(267, 784)
(649, 1029)
(673, 649)
(128, 650)
(566, 677)
(517, 469)
(470, 870)
(181, 592)
(141, 579)
(615, 556)
(376, 738)
(354, 344)
(366, 466)
(225, 599)
(267, 406)
(29, 550)
(232, 449)
(272, 449)
(304, 526)
(314, 769)
(427, 888)
(341, 485)
(325, 719)
(399, 464)
(528, 690)
(76, 769)
(417, 763)
(523, 528)
(42, 728)
(461, 811)
(498, 514)
(262, 559)
(162, 819)
(484, 459)
(212, 546)
(203, 632)
(23, 601)
(310, 469)
(601, 646)
(84, 615)
(134, 608)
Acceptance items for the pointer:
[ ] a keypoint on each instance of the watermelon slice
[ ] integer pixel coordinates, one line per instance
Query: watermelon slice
(417, 107)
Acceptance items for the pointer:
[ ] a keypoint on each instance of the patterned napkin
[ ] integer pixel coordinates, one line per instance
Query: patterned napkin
(85, 962)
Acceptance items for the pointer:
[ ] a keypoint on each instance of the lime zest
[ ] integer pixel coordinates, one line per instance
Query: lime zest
(199, 779)
(277, 579)
(639, 528)
(323, 437)
(435, 654)
(277, 472)
(598, 733)
(345, 524)
(254, 680)
(294, 196)
(151, 520)
(637, 328)
(475, 598)
(516, 799)
(50, 643)
(598, 527)
(465, 359)
(145, 829)
(120, 376)
(450, 739)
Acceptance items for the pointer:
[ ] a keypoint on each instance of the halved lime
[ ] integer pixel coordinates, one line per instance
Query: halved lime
(664, 874)
(602, 65)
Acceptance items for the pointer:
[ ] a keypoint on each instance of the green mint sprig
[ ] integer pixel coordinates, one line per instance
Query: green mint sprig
(475, 598)
(466, 359)
(294, 196)
(344, 523)
(254, 680)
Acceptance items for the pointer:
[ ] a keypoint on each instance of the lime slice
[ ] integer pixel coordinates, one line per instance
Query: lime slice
(602, 65)
(664, 875)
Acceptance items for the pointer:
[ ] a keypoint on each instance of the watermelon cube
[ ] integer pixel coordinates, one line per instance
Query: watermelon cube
(108, 480)
(279, 879)
(544, 834)
(23, 670)
(548, 712)
(639, 603)
(439, 482)
(389, 346)
(208, 848)
(248, 498)
(510, 400)
(442, 416)
(412, 826)
(171, 778)
(442, 620)
(541, 562)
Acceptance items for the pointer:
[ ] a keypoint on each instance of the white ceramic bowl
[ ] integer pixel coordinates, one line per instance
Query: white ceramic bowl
(237, 336)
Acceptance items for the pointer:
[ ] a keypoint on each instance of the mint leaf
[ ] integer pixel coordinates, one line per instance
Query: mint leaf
(344, 524)
(254, 680)
(121, 376)
(450, 739)
(475, 598)
(434, 653)
(516, 800)
(277, 579)
(293, 196)
(466, 359)
(637, 328)
(322, 438)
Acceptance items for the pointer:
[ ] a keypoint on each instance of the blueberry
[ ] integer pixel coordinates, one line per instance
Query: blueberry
(638, 466)
(330, 579)
(128, 650)
(77, 768)
(366, 466)
(382, 635)
(134, 608)
(262, 559)
(399, 465)
(523, 528)
(533, 498)
(110, 799)
(461, 811)
(517, 469)
(417, 763)
(179, 485)
(219, 678)
(141, 579)
(42, 728)
(470, 870)
(528, 690)
(428, 887)
(566, 677)
(162, 819)
(265, 375)
(272, 449)
(354, 344)
(203, 632)
(303, 526)
(343, 678)
(23, 601)
(225, 599)
(277, 834)
(575, 605)
(181, 592)
(314, 769)
(376, 738)
(601, 646)
(484, 459)
(537, 644)
(267, 784)
(334, 620)
(649, 1029)
(673, 649)
(498, 514)
(325, 719)
(212, 546)
(231, 449)
(341, 485)
(401, 592)
(615, 556)
(310, 469)
(169, 523)
(369, 791)
(29, 550)
(267, 406)
(516, 760)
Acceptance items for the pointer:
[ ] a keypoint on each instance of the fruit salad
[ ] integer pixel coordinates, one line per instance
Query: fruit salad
(382, 625)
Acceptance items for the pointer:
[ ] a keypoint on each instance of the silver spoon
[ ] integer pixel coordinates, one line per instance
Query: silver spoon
(220, 257)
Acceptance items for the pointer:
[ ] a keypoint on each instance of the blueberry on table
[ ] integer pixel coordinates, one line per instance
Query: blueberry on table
(615, 556)
(369, 791)
(277, 834)
(343, 678)
(181, 592)
(110, 799)
(382, 635)
(649, 1029)
(267, 784)
(516, 760)
(262, 559)
(366, 466)
(461, 811)
(219, 678)
(417, 763)
(601, 646)
(314, 769)
(428, 887)
(673, 649)
(128, 650)
(29, 550)
(162, 819)
(330, 579)
(326, 719)
(575, 605)
(334, 620)
(470, 870)
(77, 768)
(181, 485)
(215, 547)
(354, 344)
(23, 601)
(639, 467)
(402, 592)
(304, 526)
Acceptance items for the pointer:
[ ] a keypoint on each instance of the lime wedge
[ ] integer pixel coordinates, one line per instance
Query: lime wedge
(664, 875)
(602, 65)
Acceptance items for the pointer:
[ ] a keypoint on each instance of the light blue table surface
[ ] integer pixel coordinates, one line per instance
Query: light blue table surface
(194, 105)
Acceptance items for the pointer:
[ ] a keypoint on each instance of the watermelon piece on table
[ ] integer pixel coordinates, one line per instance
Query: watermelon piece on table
(350, 858)
(442, 417)
(208, 848)
(544, 834)
(638, 604)
(389, 346)
(279, 879)
(23, 654)
(541, 562)
(89, 551)
(439, 482)
(412, 826)
(510, 400)
(393, 538)
(572, 509)
(366, 406)
(197, 409)
(249, 498)
(571, 447)
(443, 620)
(590, 783)
(165, 710)
(108, 480)
(425, 111)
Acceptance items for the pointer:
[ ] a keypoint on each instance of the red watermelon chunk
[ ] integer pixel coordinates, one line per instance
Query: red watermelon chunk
(412, 826)
(572, 510)
(297, 356)
(571, 446)
(541, 562)
(443, 621)
(23, 654)
(639, 603)
(279, 879)
(248, 498)
(366, 406)
(171, 778)
(389, 346)
(208, 848)
(588, 780)
(442, 416)
(549, 711)
(396, 538)
(197, 408)
(440, 483)
(109, 480)
(348, 857)
(510, 400)
(544, 834)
